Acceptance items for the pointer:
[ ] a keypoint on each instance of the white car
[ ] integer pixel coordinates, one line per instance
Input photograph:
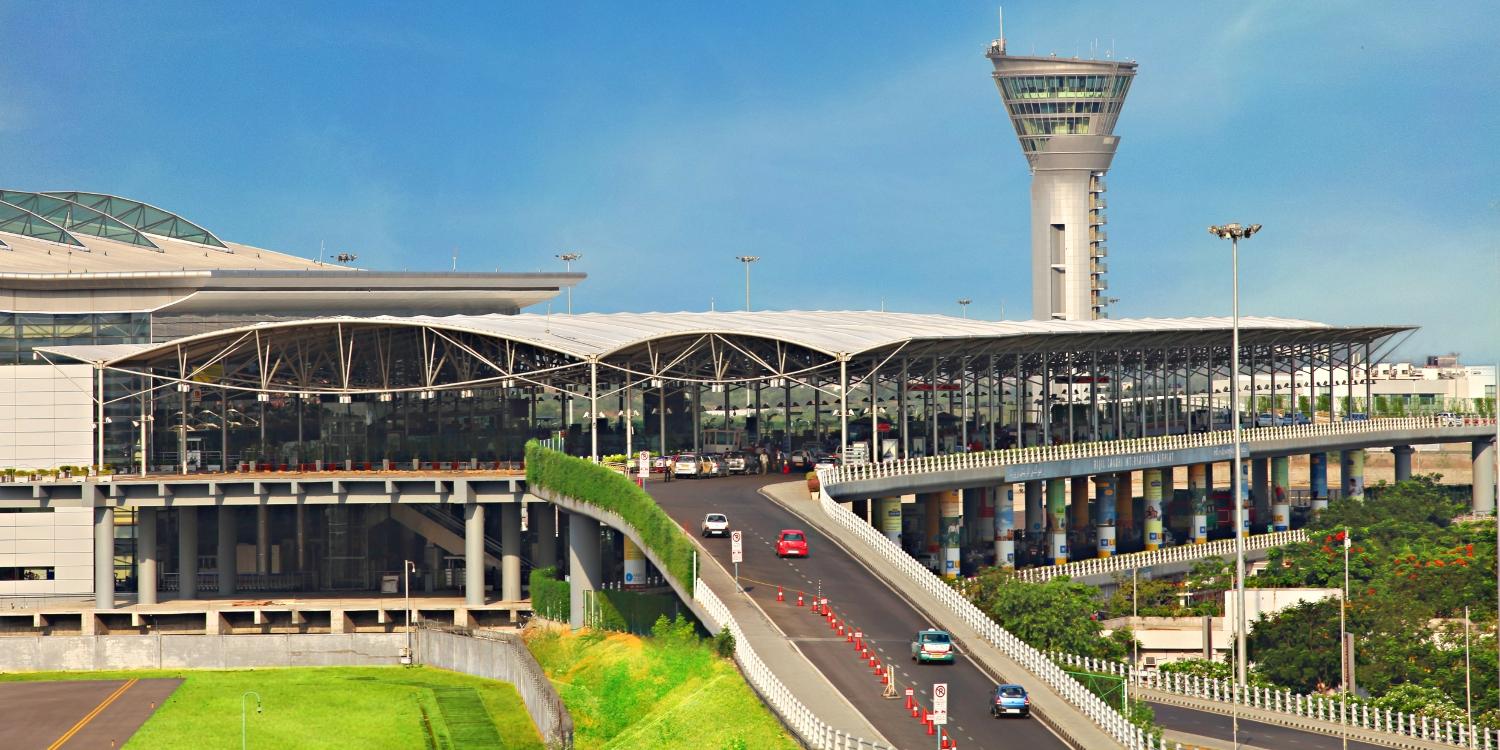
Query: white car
(686, 465)
(1449, 419)
(734, 463)
(716, 524)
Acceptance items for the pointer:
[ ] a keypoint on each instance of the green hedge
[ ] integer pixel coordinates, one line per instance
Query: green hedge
(550, 598)
(586, 482)
(624, 611)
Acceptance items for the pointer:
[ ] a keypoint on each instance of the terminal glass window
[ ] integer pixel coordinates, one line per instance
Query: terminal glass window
(22, 332)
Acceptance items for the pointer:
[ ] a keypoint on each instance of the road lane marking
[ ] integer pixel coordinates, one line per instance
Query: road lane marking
(90, 716)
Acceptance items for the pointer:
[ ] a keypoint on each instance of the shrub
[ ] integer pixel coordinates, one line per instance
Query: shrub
(550, 597)
(724, 643)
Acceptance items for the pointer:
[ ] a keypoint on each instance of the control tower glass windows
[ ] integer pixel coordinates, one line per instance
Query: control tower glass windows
(1052, 126)
(1064, 87)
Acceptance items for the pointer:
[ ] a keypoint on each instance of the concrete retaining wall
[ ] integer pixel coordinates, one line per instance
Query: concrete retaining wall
(503, 657)
(96, 652)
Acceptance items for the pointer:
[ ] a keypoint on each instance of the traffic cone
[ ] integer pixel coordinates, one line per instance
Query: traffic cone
(849, 635)
(916, 713)
(799, 598)
(947, 745)
(780, 594)
(931, 729)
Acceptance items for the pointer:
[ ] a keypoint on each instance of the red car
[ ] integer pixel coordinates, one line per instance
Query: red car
(791, 543)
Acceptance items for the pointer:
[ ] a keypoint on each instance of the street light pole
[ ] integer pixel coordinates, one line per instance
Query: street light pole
(567, 259)
(1234, 233)
(407, 568)
(1346, 658)
(963, 304)
(244, 724)
(747, 260)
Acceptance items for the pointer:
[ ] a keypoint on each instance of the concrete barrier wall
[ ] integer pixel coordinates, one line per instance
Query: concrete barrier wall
(95, 652)
(503, 657)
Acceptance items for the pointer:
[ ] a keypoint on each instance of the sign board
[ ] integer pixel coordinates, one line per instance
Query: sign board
(940, 703)
(737, 546)
(643, 465)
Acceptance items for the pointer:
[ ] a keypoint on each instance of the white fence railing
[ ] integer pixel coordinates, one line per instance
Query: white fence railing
(1102, 714)
(814, 732)
(1180, 553)
(1103, 448)
(1357, 715)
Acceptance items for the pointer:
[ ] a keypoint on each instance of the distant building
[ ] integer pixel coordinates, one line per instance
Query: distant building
(1443, 384)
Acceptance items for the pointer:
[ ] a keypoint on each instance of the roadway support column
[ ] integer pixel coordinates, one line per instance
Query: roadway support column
(1080, 519)
(1260, 484)
(1482, 499)
(1281, 483)
(145, 555)
(1106, 490)
(952, 505)
(1199, 477)
(1317, 479)
(1005, 525)
(227, 565)
(187, 553)
(889, 510)
(932, 525)
(1036, 514)
(583, 567)
(1245, 501)
(1353, 474)
(262, 539)
(1152, 479)
(635, 564)
(104, 557)
(982, 533)
(1124, 508)
(544, 522)
(473, 554)
(1057, 520)
(1402, 456)
(510, 552)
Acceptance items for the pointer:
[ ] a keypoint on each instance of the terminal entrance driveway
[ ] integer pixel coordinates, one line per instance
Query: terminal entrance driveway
(887, 621)
(67, 714)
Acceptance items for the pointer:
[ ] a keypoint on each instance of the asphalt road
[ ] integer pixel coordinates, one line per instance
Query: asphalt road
(77, 714)
(887, 621)
(1252, 733)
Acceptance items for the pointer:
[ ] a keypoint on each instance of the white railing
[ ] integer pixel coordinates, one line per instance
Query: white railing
(1103, 448)
(1179, 553)
(1357, 715)
(814, 732)
(1102, 714)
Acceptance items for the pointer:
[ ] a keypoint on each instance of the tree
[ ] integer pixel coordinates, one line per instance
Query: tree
(1058, 615)
(1298, 647)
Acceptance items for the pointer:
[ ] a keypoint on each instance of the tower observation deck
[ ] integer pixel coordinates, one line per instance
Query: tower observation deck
(1064, 111)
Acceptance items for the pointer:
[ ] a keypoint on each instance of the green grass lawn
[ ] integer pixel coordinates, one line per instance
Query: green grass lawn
(331, 707)
(630, 692)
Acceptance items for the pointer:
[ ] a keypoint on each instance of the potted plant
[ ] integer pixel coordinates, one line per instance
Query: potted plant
(812, 482)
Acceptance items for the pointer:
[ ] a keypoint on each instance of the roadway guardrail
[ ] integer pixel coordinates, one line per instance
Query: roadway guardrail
(1179, 553)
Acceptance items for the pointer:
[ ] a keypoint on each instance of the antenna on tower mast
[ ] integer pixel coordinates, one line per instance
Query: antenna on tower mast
(1002, 28)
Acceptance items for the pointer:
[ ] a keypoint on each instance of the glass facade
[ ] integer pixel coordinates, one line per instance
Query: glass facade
(22, 332)
(1065, 87)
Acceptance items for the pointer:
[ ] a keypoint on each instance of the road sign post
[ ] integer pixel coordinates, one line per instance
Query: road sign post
(940, 703)
(737, 554)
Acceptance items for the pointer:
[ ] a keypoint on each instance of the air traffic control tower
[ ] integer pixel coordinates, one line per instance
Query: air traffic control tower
(1064, 111)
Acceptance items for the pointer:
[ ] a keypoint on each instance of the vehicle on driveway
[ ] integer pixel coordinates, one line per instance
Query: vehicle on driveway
(734, 463)
(1010, 700)
(1449, 419)
(686, 465)
(933, 646)
(791, 543)
(710, 466)
(800, 459)
(716, 524)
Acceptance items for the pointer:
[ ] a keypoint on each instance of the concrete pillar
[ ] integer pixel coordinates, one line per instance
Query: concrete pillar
(1124, 508)
(1352, 474)
(952, 508)
(145, 555)
(931, 522)
(1245, 501)
(104, 558)
(982, 533)
(1402, 456)
(187, 553)
(474, 554)
(226, 550)
(262, 539)
(1152, 479)
(1199, 477)
(1036, 513)
(1080, 507)
(1317, 479)
(1057, 520)
(635, 564)
(543, 518)
(583, 565)
(1260, 487)
(1005, 525)
(1105, 492)
(1281, 495)
(1482, 499)
(301, 534)
(889, 511)
(1168, 495)
(510, 552)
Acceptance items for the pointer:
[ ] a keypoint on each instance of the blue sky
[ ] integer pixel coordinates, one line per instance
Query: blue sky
(860, 149)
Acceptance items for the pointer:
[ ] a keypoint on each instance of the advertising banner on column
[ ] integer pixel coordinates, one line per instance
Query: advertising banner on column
(1198, 489)
(983, 532)
(1245, 500)
(1317, 477)
(1105, 509)
(635, 566)
(952, 504)
(1153, 481)
(1005, 526)
(1057, 511)
(1036, 516)
(1281, 502)
(890, 517)
(1354, 474)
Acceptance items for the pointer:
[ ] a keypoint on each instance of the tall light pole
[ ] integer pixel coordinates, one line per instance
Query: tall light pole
(1234, 233)
(1346, 653)
(407, 568)
(963, 304)
(244, 724)
(567, 259)
(747, 260)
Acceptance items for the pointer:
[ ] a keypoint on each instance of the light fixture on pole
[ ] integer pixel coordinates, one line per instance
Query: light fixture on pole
(963, 304)
(567, 259)
(1234, 233)
(244, 723)
(407, 568)
(747, 260)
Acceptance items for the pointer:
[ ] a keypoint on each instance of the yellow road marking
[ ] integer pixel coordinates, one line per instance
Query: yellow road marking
(92, 715)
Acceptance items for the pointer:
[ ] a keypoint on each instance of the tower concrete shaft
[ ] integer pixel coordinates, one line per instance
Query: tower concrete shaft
(1064, 112)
